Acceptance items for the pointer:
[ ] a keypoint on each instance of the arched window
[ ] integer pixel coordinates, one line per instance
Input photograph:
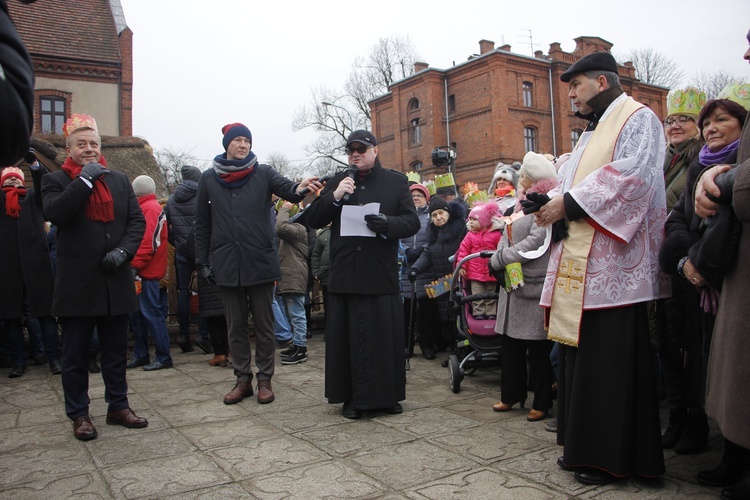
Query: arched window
(416, 131)
(574, 136)
(416, 166)
(528, 98)
(529, 138)
(414, 104)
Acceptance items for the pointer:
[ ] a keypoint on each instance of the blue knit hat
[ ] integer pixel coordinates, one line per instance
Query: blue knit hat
(233, 130)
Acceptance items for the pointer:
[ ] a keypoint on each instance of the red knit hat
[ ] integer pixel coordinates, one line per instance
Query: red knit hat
(233, 130)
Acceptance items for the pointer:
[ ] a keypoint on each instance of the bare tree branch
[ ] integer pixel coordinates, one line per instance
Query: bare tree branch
(713, 83)
(653, 67)
(171, 162)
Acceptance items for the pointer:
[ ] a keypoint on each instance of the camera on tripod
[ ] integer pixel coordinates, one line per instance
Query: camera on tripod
(443, 156)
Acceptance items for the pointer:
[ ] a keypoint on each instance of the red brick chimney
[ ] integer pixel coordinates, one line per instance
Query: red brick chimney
(486, 46)
(419, 66)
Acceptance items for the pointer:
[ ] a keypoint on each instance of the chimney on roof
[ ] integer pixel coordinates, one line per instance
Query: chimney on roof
(539, 54)
(419, 66)
(486, 46)
(505, 47)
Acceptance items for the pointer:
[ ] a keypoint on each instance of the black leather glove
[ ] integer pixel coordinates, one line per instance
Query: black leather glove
(377, 223)
(114, 259)
(533, 202)
(92, 171)
(134, 272)
(207, 273)
(498, 275)
(413, 275)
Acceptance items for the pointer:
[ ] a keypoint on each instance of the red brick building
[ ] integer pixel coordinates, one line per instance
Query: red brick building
(82, 53)
(494, 107)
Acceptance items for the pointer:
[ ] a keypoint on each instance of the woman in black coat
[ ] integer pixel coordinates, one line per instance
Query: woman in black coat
(446, 231)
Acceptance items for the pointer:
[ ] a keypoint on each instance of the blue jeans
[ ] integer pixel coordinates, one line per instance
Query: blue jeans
(150, 318)
(280, 323)
(295, 308)
(184, 268)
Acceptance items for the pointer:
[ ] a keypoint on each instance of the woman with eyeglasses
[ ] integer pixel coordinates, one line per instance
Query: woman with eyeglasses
(691, 316)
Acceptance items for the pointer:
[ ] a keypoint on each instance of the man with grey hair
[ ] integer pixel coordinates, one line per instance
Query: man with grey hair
(601, 276)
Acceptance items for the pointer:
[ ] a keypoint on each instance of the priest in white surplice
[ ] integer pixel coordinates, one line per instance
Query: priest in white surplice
(601, 276)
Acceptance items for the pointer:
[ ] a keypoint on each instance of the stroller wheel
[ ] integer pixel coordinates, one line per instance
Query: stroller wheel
(456, 374)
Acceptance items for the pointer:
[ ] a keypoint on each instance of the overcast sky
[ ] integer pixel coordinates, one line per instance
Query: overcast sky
(199, 65)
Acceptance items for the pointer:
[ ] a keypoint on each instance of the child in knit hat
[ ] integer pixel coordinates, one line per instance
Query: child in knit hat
(484, 234)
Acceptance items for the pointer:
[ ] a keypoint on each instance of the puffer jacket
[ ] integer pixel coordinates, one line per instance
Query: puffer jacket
(151, 258)
(484, 239)
(292, 254)
(413, 248)
(180, 212)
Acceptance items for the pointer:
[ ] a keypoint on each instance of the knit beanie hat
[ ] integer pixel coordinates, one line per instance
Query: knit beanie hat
(11, 172)
(233, 130)
(144, 185)
(484, 212)
(536, 167)
(421, 189)
(438, 203)
(190, 173)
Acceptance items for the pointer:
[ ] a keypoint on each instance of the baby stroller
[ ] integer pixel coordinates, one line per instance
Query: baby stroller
(480, 346)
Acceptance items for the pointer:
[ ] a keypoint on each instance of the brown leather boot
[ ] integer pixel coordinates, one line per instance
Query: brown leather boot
(241, 390)
(265, 393)
(218, 360)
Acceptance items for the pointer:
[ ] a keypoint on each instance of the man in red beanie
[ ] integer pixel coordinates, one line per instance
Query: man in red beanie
(235, 249)
(100, 227)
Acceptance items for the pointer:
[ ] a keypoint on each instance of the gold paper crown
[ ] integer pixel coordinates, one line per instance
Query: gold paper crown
(79, 121)
(430, 185)
(469, 188)
(414, 177)
(444, 180)
(737, 92)
(476, 197)
(292, 211)
(688, 101)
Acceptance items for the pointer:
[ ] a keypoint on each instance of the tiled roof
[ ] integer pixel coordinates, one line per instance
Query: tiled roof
(80, 29)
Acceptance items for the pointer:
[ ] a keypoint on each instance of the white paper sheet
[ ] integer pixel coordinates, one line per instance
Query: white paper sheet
(353, 219)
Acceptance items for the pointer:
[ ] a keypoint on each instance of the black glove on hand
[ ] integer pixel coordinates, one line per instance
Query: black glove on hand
(533, 202)
(377, 223)
(559, 231)
(134, 272)
(92, 171)
(114, 259)
(498, 275)
(208, 274)
(413, 275)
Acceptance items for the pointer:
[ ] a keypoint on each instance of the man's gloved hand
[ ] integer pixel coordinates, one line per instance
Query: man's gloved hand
(207, 273)
(114, 259)
(377, 223)
(533, 202)
(92, 171)
(413, 275)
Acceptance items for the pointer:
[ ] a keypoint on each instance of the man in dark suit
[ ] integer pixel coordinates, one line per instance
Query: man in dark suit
(100, 226)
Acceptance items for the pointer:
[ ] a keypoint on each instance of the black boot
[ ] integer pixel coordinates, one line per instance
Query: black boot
(695, 438)
(731, 468)
(675, 428)
(738, 491)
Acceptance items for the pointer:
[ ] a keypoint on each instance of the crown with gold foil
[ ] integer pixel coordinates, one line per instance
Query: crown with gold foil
(469, 188)
(77, 122)
(414, 177)
(292, 211)
(444, 180)
(687, 101)
(737, 92)
(430, 185)
(476, 197)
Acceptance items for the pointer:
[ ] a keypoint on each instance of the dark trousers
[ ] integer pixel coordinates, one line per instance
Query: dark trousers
(183, 271)
(217, 329)
(514, 373)
(76, 335)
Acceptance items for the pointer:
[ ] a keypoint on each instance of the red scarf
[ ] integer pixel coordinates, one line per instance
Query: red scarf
(99, 207)
(12, 207)
(236, 176)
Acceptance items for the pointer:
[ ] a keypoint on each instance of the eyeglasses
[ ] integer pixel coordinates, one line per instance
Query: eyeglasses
(359, 149)
(681, 120)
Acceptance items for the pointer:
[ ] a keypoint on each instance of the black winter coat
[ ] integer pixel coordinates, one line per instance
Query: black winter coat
(233, 231)
(81, 288)
(413, 248)
(24, 257)
(359, 264)
(180, 212)
(443, 244)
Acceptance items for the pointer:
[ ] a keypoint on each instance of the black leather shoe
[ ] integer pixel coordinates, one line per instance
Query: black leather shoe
(726, 474)
(157, 365)
(17, 371)
(589, 475)
(93, 365)
(184, 343)
(349, 411)
(564, 466)
(738, 491)
(204, 345)
(395, 409)
(428, 354)
(136, 362)
(55, 367)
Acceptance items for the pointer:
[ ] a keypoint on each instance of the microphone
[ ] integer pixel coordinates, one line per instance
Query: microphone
(322, 180)
(352, 174)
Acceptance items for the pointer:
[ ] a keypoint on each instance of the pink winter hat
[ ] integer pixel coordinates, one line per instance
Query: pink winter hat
(484, 212)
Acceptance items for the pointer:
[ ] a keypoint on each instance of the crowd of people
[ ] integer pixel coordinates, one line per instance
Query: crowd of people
(618, 269)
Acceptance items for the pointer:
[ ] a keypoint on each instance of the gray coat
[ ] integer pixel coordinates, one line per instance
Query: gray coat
(519, 314)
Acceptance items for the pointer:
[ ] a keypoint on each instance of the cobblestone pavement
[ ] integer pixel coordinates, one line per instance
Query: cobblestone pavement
(443, 445)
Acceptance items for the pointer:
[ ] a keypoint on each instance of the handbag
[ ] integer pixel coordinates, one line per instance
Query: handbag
(193, 286)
